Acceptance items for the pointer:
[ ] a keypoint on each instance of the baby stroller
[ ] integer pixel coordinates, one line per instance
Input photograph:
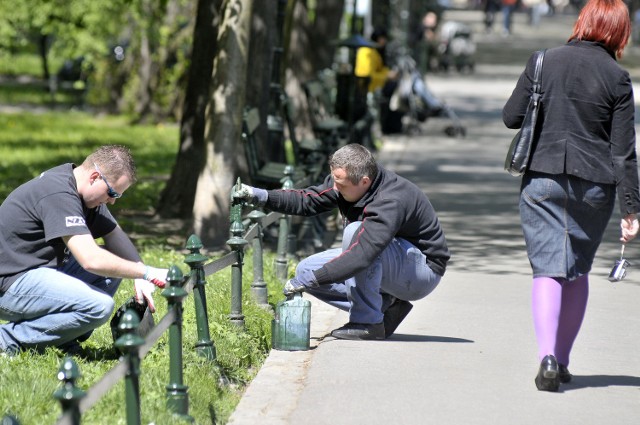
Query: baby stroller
(414, 100)
(456, 47)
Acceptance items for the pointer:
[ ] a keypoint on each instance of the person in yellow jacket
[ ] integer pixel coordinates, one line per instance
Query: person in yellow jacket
(373, 75)
(370, 62)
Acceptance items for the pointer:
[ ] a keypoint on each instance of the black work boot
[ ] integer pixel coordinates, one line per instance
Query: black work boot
(359, 331)
(394, 315)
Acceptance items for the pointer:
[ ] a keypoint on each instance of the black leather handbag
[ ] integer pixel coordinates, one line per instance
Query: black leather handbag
(519, 153)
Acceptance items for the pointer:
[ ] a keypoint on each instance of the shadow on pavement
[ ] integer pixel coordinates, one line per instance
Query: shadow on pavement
(600, 381)
(427, 338)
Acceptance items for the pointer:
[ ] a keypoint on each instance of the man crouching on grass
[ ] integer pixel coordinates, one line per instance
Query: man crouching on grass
(56, 282)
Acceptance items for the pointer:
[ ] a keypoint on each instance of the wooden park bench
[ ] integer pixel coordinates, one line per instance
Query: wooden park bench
(265, 173)
(326, 125)
(335, 118)
(312, 153)
(312, 167)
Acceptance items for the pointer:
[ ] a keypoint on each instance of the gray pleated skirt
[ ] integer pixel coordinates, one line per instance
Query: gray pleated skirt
(563, 220)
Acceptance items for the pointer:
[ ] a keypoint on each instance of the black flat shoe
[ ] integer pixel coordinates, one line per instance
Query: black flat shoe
(359, 331)
(548, 378)
(565, 375)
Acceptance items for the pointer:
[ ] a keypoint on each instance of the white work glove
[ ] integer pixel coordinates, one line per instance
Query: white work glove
(156, 276)
(300, 283)
(145, 287)
(293, 286)
(250, 194)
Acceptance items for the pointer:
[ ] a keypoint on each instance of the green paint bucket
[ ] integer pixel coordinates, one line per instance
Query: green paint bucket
(291, 327)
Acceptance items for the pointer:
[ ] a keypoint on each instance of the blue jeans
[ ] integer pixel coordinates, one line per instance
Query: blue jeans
(47, 307)
(422, 91)
(401, 271)
(507, 16)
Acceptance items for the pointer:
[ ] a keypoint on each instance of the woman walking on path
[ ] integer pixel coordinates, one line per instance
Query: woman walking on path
(585, 152)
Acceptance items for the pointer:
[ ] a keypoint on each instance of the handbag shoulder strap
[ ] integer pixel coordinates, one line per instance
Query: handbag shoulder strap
(537, 75)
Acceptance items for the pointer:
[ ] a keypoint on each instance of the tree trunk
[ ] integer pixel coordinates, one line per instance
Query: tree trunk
(153, 17)
(178, 197)
(324, 30)
(145, 65)
(143, 103)
(223, 126)
(43, 49)
(166, 61)
(309, 48)
(263, 38)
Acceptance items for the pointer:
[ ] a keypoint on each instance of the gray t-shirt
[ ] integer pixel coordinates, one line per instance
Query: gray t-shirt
(35, 217)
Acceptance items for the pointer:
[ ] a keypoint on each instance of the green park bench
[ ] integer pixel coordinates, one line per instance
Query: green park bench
(326, 125)
(312, 153)
(264, 173)
(312, 166)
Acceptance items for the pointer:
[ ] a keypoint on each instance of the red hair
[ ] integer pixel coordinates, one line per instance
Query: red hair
(604, 21)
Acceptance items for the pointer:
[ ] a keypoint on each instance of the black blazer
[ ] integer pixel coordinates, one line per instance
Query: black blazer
(586, 123)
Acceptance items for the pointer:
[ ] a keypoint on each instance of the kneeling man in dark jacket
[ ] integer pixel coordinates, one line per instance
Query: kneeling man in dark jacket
(393, 248)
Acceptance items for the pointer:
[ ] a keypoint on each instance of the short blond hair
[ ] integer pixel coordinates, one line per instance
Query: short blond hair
(114, 161)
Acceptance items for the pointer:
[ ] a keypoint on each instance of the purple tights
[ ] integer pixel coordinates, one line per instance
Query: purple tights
(558, 309)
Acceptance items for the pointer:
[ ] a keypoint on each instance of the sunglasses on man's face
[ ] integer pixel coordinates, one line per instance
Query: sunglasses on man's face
(110, 191)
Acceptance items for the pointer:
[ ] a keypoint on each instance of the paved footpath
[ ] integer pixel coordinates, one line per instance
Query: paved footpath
(466, 354)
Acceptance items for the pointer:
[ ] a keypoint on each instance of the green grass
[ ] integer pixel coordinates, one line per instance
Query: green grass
(36, 95)
(25, 63)
(23, 83)
(31, 143)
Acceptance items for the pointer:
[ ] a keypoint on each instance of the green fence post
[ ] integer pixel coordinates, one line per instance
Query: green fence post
(237, 244)
(68, 394)
(204, 346)
(129, 344)
(177, 397)
(259, 286)
(284, 239)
